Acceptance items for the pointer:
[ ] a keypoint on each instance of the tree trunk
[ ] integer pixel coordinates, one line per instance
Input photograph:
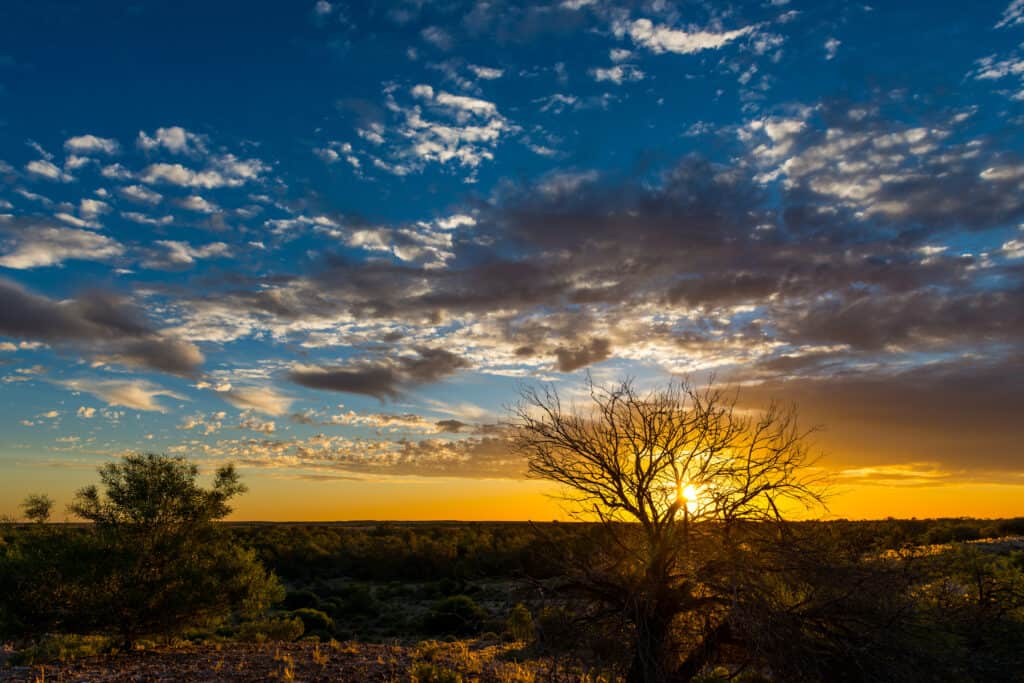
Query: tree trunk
(650, 649)
(703, 654)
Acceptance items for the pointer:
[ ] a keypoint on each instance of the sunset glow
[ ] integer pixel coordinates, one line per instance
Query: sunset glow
(332, 242)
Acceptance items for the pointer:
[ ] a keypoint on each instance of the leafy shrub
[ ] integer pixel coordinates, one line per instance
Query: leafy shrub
(300, 599)
(314, 620)
(276, 628)
(425, 672)
(61, 648)
(358, 599)
(457, 614)
(519, 624)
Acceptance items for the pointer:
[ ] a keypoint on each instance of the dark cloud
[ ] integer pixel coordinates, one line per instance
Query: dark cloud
(98, 324)
(961, 413)
(451, 426)
(385, 377)
(595, 351)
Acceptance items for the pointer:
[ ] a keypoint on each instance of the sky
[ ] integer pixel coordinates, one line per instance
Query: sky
(330, 242)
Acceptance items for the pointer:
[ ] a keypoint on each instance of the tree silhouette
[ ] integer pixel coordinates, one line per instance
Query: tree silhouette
(679, 479)
(37, 507)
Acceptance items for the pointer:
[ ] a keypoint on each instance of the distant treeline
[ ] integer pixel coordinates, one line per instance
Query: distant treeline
(424, 551)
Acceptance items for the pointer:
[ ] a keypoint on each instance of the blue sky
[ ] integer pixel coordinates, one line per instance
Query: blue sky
(329, 241)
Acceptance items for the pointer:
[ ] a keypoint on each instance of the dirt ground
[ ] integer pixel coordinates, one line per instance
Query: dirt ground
(311, 662)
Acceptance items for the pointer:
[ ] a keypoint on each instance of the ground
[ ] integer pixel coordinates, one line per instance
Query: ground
(425, 662)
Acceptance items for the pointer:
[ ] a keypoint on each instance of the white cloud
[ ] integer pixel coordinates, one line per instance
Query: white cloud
(199, 204)
(1013, 249)
(135, 394)
(617, 74)
(227, 171)
(437, 37)
(143, 219)
(457, 220)
(322, 8)
(831, 47)
(472, 105)
(142, 194)
(260, 399)
(116, 172)
(47, 169)
(47, 246)
(92, 207)
(1013, 15)
(661, 38)
(486, 73)
(75, 220)
(174, 139)
(183, 253)
(86, 144)
(86, 413)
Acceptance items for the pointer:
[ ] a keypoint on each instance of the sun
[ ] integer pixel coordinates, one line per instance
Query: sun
(690, 495)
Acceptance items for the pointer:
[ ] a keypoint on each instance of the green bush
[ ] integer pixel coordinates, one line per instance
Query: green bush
(314, 620)
(275, 628)
(425, 672)
(457, 615)
(519, 624)
(61, 648)
(300, 599)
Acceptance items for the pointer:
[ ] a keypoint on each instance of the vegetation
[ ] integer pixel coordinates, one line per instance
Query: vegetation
(690, 573)
(682, 483)
(152, 561)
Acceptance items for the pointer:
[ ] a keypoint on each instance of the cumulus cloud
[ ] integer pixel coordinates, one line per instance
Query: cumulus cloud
(91, 144)
(174, 139)
(617, 74)
(134, 394)
(141, 194)
(41, 168)
(36, 246)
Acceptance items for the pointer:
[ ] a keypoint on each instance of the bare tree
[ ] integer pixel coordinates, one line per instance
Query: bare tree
(677, 477)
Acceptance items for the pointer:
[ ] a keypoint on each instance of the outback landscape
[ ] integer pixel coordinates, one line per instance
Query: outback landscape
(514, 341)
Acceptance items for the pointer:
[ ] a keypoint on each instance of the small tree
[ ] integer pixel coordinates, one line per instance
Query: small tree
(37, 508)
(163, 565)
(678, 478)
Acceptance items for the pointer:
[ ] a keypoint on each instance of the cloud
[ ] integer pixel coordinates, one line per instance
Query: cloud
(134, 394)
(661, 38)
(260, 399)
(91, 144)
(452, 130)
(617, 74)
(42, 168)
(382, 378)
(960, 414)
(141, 194)
(595, 351)
(98, 324)
(437, 37)
(174, 139)
(178, 254)
(199, 204)
(831, 48)
(486, 73)
(1013, 15)
(35, 246)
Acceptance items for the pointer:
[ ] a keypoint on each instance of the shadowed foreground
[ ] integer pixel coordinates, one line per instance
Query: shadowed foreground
(474, 660)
